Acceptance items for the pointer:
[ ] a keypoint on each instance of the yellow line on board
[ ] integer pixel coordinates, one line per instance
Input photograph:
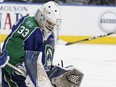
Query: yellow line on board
(104, 40)
(2, 37)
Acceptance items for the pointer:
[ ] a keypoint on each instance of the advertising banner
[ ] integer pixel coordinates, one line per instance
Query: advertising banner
(78, 22)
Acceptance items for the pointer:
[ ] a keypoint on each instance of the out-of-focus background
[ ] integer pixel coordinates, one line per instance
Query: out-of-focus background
(80, 18)
(90, 2)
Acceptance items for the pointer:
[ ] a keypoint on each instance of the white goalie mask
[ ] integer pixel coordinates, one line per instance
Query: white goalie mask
(48, 17)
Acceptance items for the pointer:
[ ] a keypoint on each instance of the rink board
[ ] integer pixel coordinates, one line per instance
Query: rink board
(104, 40)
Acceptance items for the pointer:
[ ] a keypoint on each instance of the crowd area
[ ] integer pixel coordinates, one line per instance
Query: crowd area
(85, 2)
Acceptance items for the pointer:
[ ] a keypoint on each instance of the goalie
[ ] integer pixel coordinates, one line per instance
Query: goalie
(30, 47)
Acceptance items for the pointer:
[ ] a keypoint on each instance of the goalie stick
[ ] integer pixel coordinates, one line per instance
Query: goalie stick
(35, 69)
(17, 69)
(43, 79)
(91, 38)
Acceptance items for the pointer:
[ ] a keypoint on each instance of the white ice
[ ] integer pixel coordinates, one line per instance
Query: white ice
(97, 62)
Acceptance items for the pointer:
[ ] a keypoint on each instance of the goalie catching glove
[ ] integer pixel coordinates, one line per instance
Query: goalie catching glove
(68, 77)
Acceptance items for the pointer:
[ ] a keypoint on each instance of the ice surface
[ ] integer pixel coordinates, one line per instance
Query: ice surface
(97, 62)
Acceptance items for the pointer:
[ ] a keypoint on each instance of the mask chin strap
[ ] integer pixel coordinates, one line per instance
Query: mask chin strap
(45, 34)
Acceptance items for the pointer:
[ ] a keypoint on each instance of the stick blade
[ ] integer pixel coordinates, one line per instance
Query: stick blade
(68, 43)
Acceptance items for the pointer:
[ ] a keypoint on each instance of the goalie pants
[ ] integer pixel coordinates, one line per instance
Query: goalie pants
(12, 80)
